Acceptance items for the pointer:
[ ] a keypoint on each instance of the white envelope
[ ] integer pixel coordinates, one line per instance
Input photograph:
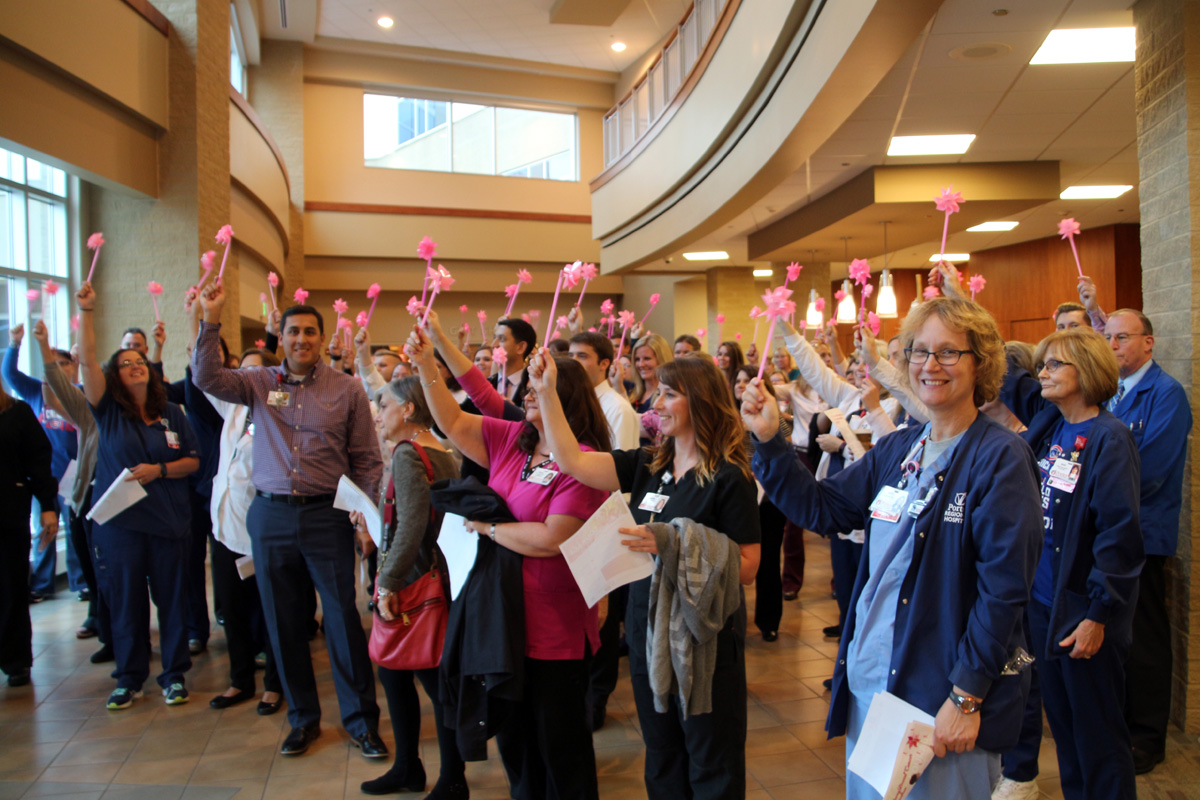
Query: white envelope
(459, 547)
(881, 741)
(598, 560)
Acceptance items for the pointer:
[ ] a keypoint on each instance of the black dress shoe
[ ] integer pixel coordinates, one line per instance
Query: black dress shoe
(104, 654)
(266, 709)
(393, 781)
(833, 631)
(790, 596)
(21, 678)
(770, 636)
(225, 701)
(299, 739)
(372, 746)
(1143, 761)
(828, 684)
(449, 790)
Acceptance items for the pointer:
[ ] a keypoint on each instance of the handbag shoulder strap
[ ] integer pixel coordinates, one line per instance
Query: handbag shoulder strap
(424, 457)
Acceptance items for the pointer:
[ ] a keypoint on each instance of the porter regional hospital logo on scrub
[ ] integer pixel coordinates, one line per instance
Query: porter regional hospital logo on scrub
(954, 511)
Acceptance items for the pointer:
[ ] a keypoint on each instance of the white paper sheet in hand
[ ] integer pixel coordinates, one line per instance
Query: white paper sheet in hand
(350, 497)
(459, 546)
(119, 496)
(598, 560)
(66, 484)
(839, 421)
(878, 746)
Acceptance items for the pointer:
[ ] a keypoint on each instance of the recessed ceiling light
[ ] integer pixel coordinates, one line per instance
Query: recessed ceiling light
(618, 47)
(385, 22)
(951, 257)
(707, 255)
(764, 273)
(1086, 46)
(1093, 192)
(985, 227)
(954, 144)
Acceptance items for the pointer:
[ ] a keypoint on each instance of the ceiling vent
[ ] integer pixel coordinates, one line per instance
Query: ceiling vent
(983, 51)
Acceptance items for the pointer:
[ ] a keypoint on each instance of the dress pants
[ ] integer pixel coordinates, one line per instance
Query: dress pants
(16, 630)
(78, 539)
(124, 560)
(1148, 671)
(793, 545)
(245, 629)
(45, 562)
(404, 707)
(1083, 705)
(845, 555)
(768, 582)
(98, 607)
(704, 756)
(197, 583)
(294, 548)
(607, 661)
(546, 743)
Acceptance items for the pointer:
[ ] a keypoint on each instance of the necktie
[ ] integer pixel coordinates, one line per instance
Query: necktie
(1117, 398)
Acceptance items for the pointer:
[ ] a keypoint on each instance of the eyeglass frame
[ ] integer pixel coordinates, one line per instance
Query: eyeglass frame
(1108, 337)
(1051, 365)
(937, 355)
(129, 363)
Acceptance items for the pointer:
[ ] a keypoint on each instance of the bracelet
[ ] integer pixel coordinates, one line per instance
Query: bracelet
(492, 532)
(431, 383)
(162, 468)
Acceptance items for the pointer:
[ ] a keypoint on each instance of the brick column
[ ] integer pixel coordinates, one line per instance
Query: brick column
(161, 238)
(1167, 98)
(731, 291)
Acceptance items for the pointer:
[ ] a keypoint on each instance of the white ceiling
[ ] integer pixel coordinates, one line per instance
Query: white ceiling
(518, 29)
(1080, 115)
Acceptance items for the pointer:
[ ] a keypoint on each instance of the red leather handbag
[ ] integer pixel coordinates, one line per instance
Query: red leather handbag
(414, 639)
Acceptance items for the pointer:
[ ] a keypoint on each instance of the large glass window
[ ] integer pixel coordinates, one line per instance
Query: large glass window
(440, 136)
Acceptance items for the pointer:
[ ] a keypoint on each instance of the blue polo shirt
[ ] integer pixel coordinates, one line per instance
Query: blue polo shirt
(125, 442)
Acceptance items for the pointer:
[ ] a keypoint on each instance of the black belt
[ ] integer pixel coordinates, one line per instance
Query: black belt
(296, 499)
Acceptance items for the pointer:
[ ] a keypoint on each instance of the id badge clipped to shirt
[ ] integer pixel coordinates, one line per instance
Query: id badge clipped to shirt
(541, 476)
(653, 502)
(173, 440)
(279, 399)
(888, 504)
(917, 506)
(1064, 475)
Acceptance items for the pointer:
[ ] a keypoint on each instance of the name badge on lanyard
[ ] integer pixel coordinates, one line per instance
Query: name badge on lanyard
(279, 399)
(1064, 475)
(917, 506)
(888, 504)
(653, 502)
(173, 440)
(541, 476)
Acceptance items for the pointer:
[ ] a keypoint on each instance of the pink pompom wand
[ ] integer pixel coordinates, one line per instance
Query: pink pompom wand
(94, 243)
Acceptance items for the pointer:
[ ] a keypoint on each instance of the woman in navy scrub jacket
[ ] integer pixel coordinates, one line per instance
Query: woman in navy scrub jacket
(1085, 589)
(953, 530)
(706, 479)
(142, 432)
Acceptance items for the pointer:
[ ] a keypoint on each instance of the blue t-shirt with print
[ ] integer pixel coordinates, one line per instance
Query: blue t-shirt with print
(1056, 503)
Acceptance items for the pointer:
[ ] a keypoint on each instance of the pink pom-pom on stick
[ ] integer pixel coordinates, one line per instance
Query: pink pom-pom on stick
(273, 282)
(361, 319)
(554, 304)
(756, 314)
(777, 305)
(75, 322)
(482, 315)
(499, 356)
(523, 276)
(373, 292)
(586, 272)
(819, 304)
(300, 295)
(653, 302)
(441, 283)
(426, 249)
(720, 322)
(224, 236)
(976, 284)
(155, 289)
(94, 243)
(948, 202)
(931, 292)
(413, 306)
(606, 308)
(1069, 229)
(793, 272)
(340, 307)
(260, 343)
(207, 261)
(627, 319)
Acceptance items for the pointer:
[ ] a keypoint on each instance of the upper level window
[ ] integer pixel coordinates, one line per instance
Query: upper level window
(419, 134)
(237, 64)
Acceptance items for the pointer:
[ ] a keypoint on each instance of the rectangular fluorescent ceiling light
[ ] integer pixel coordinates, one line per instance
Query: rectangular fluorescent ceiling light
(986, 227)
(1086, 46)
(707, 255)
(951, 257)
(764, 273)
(1093, 192)
(949, 145)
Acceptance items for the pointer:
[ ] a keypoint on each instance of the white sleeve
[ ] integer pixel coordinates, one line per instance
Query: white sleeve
(371, 378)
(829, 386)
(894, 381)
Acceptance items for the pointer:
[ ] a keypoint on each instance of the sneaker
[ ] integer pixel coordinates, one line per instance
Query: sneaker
(122, 698)
(36, 597)
(1008, 789)
(176, 695)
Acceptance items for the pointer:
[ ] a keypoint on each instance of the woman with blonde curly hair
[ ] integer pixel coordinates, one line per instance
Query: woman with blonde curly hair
(953, 530)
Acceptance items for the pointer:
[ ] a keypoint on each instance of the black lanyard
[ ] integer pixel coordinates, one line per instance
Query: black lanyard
(529, 467)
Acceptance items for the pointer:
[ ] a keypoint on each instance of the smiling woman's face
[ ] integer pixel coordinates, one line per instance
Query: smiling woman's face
(942, 387)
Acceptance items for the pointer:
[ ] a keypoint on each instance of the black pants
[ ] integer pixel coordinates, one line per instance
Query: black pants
(16, 630)
(546, 744)
(404, 707)
(78, 528)
(245, 628)
(196, 596)
(1083, 705)
(768, 583)
(1021, 763)
(704, 756)
(606, 663)
(1148, 671)
(844, 555)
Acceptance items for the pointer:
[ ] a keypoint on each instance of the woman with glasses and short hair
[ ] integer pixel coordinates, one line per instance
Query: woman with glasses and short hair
(146, 439)
(953, 530)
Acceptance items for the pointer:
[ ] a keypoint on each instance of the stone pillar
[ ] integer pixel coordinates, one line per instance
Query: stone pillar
(277, 94)
(1167, 99)
(731, 291)
(162, 238)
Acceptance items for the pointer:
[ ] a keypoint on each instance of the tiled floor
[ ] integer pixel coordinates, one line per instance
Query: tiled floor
(58, 741)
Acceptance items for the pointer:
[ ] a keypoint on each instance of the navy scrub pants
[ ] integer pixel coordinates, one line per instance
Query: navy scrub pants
(124, 560)
(1084, 705)
(198, 626)
(295, 547)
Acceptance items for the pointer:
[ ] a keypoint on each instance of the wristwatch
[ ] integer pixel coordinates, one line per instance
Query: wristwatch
(162, 470)
(965, 703)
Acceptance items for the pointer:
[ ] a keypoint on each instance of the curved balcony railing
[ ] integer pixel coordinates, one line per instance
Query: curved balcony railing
(665, 78)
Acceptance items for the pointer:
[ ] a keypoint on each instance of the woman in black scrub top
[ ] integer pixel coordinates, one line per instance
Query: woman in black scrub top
(148, 542)
(706, 479)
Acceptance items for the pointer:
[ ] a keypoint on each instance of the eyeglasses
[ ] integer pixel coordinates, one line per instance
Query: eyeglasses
(947, 357)
(1051, 365)
(127, 363)
(1122, 338)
